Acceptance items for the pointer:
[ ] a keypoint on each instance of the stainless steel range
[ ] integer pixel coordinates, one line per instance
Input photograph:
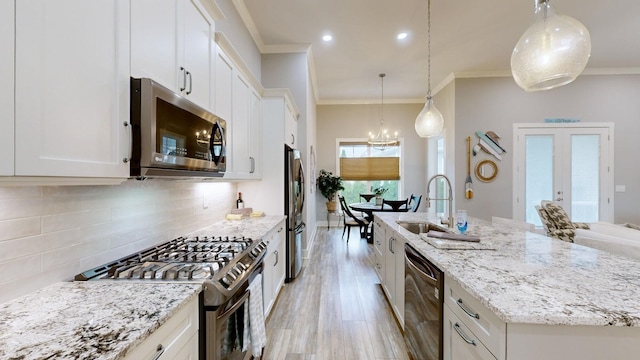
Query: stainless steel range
(224, 265)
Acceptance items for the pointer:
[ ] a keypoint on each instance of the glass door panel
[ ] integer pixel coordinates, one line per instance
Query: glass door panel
(538, 174)
(585, 177)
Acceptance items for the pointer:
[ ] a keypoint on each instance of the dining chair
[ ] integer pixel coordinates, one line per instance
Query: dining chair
(367, 197)
(414, 202)
(395, 204)
(556, 221)
(350, 220)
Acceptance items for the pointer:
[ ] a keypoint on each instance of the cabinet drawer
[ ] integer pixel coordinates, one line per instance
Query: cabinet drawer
(175, 335)
(379, 264)
(483, 323)
(459, 342)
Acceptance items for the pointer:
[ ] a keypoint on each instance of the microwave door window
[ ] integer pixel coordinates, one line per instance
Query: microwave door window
(217, 143)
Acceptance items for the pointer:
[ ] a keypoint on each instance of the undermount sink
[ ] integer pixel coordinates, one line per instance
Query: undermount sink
(418, 228)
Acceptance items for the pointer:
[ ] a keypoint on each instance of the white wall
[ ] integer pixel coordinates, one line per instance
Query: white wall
(497, 103)
(355, 121)
(233, 28)
(50, 234)
(291, 71)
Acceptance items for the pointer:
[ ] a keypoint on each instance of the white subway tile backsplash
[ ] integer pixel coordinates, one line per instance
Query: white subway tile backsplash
(50, 234)
(17, 228)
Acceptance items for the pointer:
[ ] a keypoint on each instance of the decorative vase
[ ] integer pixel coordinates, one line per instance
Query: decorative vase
(331, 205)
(378, 200)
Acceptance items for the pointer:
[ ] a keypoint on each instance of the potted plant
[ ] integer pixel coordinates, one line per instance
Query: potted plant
(379, 191)
(329, 185)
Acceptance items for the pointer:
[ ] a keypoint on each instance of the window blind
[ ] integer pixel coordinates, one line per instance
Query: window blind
(370, 168)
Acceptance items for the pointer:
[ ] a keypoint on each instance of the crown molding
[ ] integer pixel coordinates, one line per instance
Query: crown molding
(223, 42)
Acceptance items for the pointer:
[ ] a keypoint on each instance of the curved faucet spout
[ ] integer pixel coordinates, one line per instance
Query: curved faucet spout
(450, 199)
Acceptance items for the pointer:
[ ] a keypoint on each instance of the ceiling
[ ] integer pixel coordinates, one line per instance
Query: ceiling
(468, 38)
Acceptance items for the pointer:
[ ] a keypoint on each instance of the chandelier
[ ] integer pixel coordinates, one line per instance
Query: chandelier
(382, 139)
(429, 121)
(552, 52)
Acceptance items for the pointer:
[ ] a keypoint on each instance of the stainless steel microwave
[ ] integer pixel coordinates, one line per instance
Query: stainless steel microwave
(173, 137)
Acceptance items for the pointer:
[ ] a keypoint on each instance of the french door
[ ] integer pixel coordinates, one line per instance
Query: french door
(570, 164)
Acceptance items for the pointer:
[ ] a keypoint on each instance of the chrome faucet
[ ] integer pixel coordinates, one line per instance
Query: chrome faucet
(450, 219)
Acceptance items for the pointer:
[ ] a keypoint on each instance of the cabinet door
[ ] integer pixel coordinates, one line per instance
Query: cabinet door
(379, 241)
(255, 138)
(398, 248)
(390, 266)
(223, 85)
(280, 260)
(72, 88)
(240, 163)
(196, 47)
(154, 36)
(268, 275)
(459, 342)
(291, 128)
(6, 86)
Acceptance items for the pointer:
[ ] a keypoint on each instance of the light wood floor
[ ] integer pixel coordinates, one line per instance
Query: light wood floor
(336, 309)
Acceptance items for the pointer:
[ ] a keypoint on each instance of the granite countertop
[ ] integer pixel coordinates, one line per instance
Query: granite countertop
(102, 319)
(533, 279)
(88, 320)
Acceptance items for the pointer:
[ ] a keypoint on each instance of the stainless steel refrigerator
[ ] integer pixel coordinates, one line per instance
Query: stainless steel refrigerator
(293, 205)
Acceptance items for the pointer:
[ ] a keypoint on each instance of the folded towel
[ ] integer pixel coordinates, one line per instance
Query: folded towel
(257, 214)
(256, 317)
(234, 216)
(449, 236)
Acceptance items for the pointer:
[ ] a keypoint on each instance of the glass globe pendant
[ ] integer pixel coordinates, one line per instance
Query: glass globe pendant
(430, 121)
(552, 52)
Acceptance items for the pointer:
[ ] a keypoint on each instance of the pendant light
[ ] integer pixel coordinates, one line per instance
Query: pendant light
(430, 121)
(552, 52)
(382, 139)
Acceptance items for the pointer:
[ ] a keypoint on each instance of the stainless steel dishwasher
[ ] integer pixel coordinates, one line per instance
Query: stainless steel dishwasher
(423, 302)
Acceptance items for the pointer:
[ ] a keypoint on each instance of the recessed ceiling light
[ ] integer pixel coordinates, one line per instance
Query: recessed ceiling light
(327, 37)
(402, 36)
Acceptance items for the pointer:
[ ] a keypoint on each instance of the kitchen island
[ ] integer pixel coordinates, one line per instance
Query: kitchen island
(564, 300)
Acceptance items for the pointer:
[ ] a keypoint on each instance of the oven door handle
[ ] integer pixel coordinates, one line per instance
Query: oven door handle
(235, 306)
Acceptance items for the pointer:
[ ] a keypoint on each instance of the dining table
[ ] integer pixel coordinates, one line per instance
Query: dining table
(368, 209)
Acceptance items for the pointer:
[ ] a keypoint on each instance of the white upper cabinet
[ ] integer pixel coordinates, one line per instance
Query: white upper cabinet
(239, 102)
(224, 70)
(171, 44)
(71, 88)
(291, 128)
(6, 87)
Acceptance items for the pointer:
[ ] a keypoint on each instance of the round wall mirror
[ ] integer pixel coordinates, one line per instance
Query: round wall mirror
(486, 170)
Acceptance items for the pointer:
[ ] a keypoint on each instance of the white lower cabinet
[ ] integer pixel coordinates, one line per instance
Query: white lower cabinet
(459, 342)
(390, 266)
(274, 266)
(175, 339)
(379, 239)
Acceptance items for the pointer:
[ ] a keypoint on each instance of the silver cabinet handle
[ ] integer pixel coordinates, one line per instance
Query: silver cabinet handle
(280, 230)
(253, 165)
(159, 351)
(130, 132)
(277, 258)
(559, 199)
(190, 83)
(293, 139)
(184, 78)
(464, 337)
(465, 309)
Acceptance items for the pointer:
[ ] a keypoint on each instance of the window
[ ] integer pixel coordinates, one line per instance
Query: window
(364, 167)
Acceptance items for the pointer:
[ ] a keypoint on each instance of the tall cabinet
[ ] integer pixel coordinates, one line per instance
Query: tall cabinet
(71, 88)
(268, 195)
(179, 32)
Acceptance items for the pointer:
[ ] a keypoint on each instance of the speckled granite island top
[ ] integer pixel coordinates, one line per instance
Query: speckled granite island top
(533, 279)
(254, 228)
(87, 320)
